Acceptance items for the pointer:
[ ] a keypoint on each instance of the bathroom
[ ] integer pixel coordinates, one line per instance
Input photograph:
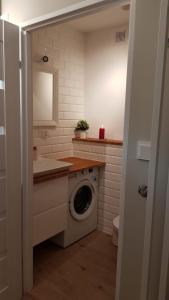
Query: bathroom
(87, 58)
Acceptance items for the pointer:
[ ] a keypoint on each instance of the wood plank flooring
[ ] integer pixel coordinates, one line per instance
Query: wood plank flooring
(84, 271)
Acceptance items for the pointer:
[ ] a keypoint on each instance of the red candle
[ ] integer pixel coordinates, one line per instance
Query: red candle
(101, 133)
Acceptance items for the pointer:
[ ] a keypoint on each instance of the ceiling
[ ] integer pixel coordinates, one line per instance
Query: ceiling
(113, 16)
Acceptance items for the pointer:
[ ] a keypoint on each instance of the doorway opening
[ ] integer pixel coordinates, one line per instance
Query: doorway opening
(79, 73)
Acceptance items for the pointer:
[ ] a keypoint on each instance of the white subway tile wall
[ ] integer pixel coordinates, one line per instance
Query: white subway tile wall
(65, 48)
(109, 182)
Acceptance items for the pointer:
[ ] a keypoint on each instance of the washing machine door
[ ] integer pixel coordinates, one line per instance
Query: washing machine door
(82, 201)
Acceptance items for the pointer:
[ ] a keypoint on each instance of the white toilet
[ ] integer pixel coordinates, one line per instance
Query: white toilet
(116, 224)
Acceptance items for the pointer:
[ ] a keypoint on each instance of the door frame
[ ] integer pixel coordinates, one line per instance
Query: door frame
(164, 272)
(11, 233)
(157, 104)
(165, 252)
(155, 132)
(76, 10)
(125, 150)
(27, 159)
(83, 8)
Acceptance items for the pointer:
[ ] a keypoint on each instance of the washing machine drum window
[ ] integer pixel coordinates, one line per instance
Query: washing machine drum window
(82, 201)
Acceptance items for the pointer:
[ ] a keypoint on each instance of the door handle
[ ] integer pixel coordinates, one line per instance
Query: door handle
(143, 190)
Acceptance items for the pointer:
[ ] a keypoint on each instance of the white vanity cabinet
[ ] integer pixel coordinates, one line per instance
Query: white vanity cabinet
(50, 202)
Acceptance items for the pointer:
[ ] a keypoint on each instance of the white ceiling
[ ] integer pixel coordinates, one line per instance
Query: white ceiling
(111, 17)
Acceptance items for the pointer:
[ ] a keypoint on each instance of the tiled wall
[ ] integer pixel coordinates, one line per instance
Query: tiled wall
(106, 68)
(66, 51)
(110, 179)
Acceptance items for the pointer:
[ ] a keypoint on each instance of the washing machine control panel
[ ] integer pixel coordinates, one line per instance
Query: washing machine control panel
(90, 174)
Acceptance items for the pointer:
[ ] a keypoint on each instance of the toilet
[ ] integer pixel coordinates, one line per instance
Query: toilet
(116, 223)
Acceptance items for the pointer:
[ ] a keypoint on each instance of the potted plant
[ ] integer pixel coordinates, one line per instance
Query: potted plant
(81, 129)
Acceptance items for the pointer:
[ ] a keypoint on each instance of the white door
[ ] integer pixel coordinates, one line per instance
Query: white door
(10, 165)
(164, 177)
(142, 218)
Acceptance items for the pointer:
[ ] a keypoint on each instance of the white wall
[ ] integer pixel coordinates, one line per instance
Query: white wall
(106, 67)
(20, 11)
(92, 78)
(66, 51)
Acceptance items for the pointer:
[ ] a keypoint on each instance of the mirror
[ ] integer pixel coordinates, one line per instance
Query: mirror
(45, 84)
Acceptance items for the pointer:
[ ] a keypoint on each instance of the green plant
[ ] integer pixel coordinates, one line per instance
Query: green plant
(82, 125)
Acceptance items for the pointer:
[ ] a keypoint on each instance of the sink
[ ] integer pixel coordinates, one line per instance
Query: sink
(46, 166)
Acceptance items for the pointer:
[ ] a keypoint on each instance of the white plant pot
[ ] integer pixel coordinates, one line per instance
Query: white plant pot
(83, 134)
(77, 134)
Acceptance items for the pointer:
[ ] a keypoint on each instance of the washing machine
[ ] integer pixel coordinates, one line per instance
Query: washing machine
(82, 207)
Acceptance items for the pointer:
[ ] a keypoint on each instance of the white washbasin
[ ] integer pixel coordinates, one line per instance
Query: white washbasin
(45, 166)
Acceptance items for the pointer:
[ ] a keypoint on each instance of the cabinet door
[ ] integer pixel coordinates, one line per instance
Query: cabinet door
(10, 164)
(50, 194)
(50, 204)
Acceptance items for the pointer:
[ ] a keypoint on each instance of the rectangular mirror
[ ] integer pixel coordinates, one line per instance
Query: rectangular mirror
(45, 98)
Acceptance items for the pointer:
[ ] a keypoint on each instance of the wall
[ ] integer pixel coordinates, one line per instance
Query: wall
(85, 63)
(20, 11)
(66, 51)
(106, 68)
(110, 179)
(72, 52)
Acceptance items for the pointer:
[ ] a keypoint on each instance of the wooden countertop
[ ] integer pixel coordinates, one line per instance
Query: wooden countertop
(79, 164)
(99, 141)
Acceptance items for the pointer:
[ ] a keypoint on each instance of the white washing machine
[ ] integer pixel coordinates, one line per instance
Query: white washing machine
(82, 207)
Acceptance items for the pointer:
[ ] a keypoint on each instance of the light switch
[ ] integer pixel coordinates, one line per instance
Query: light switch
(2, 130)
(143, 150)
(1, 85)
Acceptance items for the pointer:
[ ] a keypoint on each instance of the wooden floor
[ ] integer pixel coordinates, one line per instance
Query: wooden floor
(86, 270)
